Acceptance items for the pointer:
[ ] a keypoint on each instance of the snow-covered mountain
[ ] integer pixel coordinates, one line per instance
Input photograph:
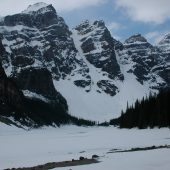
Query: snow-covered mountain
(95, 73)
(145, 62)
(39, 105)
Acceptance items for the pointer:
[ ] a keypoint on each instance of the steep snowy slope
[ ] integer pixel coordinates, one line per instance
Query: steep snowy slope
(97, 104)
(145, 69)
(149, 62)
(100, 106)
(96, 46)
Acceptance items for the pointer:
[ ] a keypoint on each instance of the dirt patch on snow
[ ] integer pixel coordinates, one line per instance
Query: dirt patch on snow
(53, 165)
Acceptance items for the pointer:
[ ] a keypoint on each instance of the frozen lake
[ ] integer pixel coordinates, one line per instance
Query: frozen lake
(20, 148)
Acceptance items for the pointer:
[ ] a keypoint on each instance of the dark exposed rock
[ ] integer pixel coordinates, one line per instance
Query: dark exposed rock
(81, 158)
(22, 61)
(136, 38)
(147, 62)
(165, 74)
(138, 42)
(164, 68)
(52, 165)
(9, 93)
(31, 112)
(40, 38)
(36, 80)
(88, 45)
(108, 87)
(2, 49)
(82, 83)
(95, 156)
(98, 47)
(37, 18)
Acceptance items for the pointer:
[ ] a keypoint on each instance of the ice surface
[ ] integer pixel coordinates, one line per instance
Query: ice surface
(20, 148)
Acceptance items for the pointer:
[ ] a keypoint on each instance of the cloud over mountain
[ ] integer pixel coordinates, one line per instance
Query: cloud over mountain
(155, 11)
(60, 5)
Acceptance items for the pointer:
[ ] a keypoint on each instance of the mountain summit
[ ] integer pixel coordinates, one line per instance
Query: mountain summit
(40, 7)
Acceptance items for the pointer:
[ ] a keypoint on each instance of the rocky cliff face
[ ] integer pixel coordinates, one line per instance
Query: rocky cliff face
(96, 46)
(145, 61)
(10, 95)
(164, 51)
(94, 72)
(38, 38)
(39, 103)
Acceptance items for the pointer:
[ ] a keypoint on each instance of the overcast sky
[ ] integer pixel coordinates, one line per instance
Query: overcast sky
(123, 17)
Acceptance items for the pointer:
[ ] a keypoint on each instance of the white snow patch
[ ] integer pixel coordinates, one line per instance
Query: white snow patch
(135, 42)
(35, 43)
(35, 7)
(4, 29)
(100, 106)
(30, 94)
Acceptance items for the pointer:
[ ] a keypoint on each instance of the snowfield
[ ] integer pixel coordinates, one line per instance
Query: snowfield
(21, 148)
(100, 106)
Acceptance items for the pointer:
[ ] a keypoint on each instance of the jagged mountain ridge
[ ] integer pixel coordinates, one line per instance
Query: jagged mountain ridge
(34, 34)
(31, 110)
(94, 43)
(146, 62)
(94, 72)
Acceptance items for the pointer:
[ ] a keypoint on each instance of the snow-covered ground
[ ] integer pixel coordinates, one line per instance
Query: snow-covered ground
(20, 148)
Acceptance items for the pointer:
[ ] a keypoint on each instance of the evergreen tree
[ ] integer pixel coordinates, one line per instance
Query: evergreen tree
(150, 112)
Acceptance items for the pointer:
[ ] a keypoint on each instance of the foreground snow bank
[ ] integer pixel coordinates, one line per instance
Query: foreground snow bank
(20, 148)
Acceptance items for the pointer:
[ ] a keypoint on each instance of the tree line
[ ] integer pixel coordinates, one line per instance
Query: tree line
(151, 111)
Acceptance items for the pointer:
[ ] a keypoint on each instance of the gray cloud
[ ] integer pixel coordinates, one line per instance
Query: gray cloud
(16, 6)
(155, 11)
(113, 26)
(156, 36)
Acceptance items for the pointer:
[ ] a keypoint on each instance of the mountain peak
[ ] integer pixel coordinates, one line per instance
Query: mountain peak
(164, 44)
(99, 23)
(88, 26)
(85, 23)
(40, 6)
(165, 40)
(137, 38)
